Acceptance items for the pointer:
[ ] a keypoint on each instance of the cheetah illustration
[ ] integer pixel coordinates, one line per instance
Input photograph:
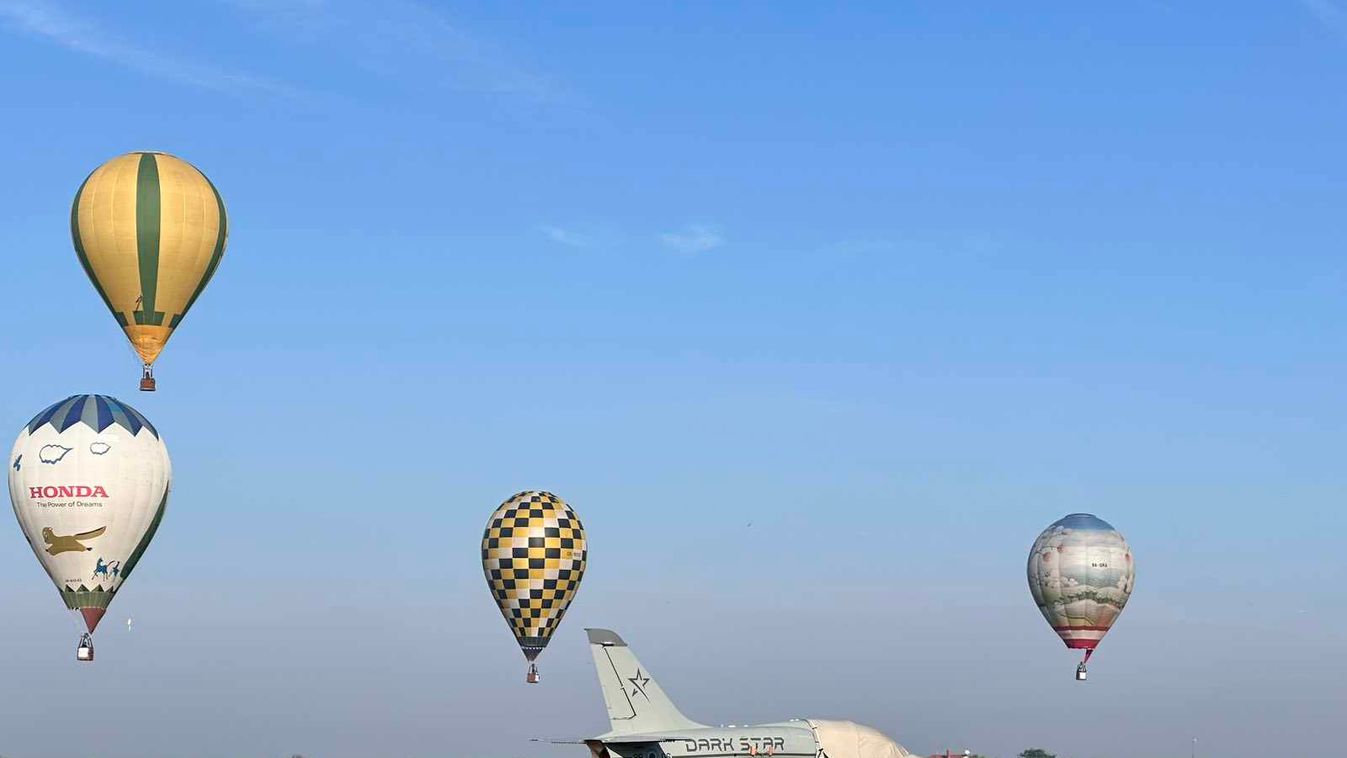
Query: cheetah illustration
(73, 543)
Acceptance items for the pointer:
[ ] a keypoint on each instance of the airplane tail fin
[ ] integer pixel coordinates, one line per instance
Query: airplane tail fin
(636, 703)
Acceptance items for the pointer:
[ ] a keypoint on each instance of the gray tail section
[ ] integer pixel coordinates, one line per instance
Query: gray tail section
(636, 702)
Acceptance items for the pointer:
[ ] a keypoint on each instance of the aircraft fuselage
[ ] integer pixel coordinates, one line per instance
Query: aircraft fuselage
(784, 740)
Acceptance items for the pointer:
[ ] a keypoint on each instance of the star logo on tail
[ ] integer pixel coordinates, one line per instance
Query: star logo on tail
(639, 682)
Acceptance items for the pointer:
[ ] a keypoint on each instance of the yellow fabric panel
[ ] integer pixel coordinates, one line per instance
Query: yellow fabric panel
(107, 227)
(188, 227)
(147, 340)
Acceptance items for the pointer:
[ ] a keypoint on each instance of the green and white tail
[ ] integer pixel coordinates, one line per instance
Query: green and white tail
(636, 703)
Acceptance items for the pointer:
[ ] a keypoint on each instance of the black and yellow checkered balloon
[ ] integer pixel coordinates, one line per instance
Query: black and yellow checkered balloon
(534, 553)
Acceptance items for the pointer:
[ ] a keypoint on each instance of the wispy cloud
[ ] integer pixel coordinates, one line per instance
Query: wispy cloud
(695, 238)
(1330, 15)
(57, 24)
(400, 39)
(566, 237)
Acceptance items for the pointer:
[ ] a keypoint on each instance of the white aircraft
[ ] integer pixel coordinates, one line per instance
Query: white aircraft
(646, 724)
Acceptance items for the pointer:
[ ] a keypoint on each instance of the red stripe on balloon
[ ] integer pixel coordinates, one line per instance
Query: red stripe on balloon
(1060, 629)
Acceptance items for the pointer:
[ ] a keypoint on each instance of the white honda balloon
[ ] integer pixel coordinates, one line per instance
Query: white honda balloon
(89, 479)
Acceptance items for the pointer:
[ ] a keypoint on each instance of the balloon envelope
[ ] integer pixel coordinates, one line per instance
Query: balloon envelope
(89, 480)
(534, 554)
(1081, 575)
(149, 230)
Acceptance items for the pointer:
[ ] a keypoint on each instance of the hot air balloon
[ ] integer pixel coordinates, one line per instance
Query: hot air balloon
(89, 480)
(149, 230)
(533, 554)
(1081, 574)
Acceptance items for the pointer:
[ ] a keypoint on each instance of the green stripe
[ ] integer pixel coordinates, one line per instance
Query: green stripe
(147, 238)
(84, 259)
(215, 255)
(145, 541)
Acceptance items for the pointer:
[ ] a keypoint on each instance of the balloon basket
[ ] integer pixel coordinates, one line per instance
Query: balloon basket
(1080, 673)
(147, 379)
(533, 677)
(85, 651)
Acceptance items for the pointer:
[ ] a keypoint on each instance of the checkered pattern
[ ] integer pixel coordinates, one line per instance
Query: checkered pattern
(534, 554)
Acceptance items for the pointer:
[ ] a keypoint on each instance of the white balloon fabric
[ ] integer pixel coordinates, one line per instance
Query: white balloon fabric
(89, 479)
(847, 739)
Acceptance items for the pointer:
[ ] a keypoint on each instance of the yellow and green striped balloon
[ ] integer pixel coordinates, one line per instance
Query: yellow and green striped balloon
(150, 230)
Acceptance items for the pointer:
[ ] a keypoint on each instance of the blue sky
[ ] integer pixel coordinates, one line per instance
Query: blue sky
(815, 314)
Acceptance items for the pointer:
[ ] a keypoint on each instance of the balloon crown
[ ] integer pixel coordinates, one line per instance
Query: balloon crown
(96, 411)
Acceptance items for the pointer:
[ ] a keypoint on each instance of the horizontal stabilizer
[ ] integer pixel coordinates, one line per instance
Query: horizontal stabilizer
(620, 739)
